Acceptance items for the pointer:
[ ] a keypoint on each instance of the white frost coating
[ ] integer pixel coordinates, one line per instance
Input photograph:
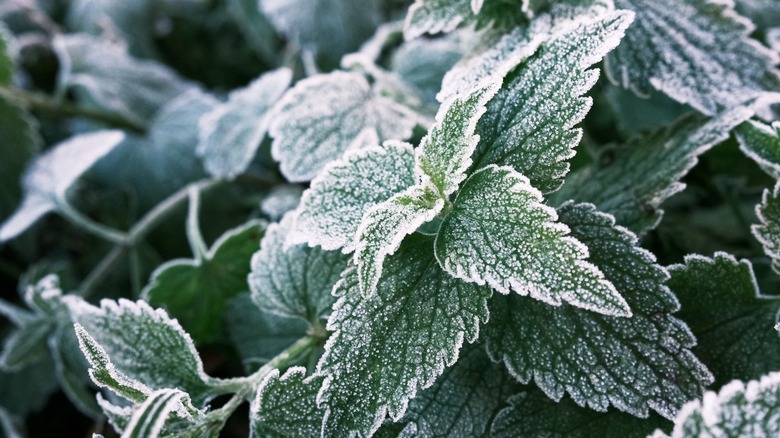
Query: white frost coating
(231, 133)
(332, 208)
(501, 234)
(149, 419)
(286, 406)
(761, 143)
(436, 16)
(49, 177)
(697, 52)
(280, 200)
(768, 231)
(739, 409)
(326, 115)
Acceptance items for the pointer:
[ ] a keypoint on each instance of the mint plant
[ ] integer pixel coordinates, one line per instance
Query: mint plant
(390, 218)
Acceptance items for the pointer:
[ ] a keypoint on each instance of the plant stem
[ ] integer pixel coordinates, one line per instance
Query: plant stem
(194, 236)
(87, 224)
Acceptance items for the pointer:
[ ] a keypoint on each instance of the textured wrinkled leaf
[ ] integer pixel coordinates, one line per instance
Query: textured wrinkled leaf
(19, 143)
(634, 364)
(145, 345)
(286, 406)
(500, 233)
(332, 208)
(196, 292)
(148, 420)
(49, 177)
(697, 52)
(324, 116)
(768, 231)
(631, 181)
(761, 143)
(738, 409)
(231, 133)
(297, 281)
(387, 346)
(529, 123)
(436, 16)
(732, 321)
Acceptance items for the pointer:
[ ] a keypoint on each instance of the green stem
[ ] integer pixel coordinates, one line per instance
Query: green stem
(80, 220)
(194, 236)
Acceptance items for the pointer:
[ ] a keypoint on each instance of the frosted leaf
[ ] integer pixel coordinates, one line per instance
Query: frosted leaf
(286, 406)
(19, 144)
(49, 177)
(765, 13)
(761, 143)
(280, 200)
(768, 231)
(25, 345)
(658, 110)
(231, 133)
(145, 345)
(739, 409)
(297, 281)
(130, 22)
(697, 52)
(531, 413)
(500, 233)
(436, 16)
(150, 417)
(324, 116)
(118, 416)
(387, 346)
(422, 63)
(634, 364)
(528, 124)
(27, 390)
(632, 180)
(445, 152)
(732, 321)
(385, 225)
(98, 71)
(196, 292)
(333, 206)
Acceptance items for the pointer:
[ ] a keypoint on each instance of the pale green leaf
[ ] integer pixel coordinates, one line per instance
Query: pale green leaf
(332, 208)
(131, 22)
(196, 292)
(529, 123)
(324, 116)
(501, 234)
(761, 143)
(231, 133)
(634, 364)
(697, 52)
(768, 231)
(297, 281)
(632, 180)
(436, 16)
(423, 63)
(732, 321)
(49, 177)
(25, 345)
(387, 346)
(281, 199)
(286, 406)
(150, 417)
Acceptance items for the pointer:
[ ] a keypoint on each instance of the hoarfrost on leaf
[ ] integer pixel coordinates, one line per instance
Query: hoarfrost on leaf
(286, 406)
(280, 200)
(761, 143)
(436, 16)
(768, 231)
(500, 233)
(150, 417)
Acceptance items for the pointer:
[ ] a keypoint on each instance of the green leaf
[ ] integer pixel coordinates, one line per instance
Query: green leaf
(150, 417)
(118, 416)
(294, 282)
(697, 52)
(6, 62)
(231, 133)
(25, 346)
(528, 124)
(634, 364)
(324, 116)
(49, 177)
(423, 63)
(436, 16)
(18, 145)
(145, 345)
(768, 231)
(739, 409)
(281, 199)
(286, 406)
(732, 321)
(388, 345)
(761, 143)
(256, 28)
(332, 208)
(632, 180)
(196, 292)
(27, 390)
(385, 225)
(500, 233)
(130, 22)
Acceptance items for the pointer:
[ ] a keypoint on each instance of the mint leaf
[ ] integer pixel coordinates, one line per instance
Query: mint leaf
(286, 406)
(231, 133)
(697, 53)
(500, 233)
(325, 115)
(632, 180)
(635, 364)
(738, 340)
(528, 124)
(436, 16)
(150, 417)
(294, 282)
(388, 345)
(739, 409)
(332, 208)
(196, 291)
(49, 177)
(761, 143)
(768, 231)
(18, 145)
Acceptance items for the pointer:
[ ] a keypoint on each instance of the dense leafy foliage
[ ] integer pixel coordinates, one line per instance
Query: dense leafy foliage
(426, 218)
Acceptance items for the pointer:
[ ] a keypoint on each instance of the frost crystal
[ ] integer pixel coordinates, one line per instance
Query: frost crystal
(436, 16)
(761, 143)
(768, 232)
(286, 406)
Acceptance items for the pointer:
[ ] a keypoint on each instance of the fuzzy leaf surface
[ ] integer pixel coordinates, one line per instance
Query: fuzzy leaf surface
(286, 406)
(634, 364)
(389, 345)
(437, 16)
(500, 233)
(697, 52)
(761, 143)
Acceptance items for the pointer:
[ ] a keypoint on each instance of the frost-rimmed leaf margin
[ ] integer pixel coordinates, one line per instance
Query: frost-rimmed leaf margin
(286, 406)
(768, 231)
(761, 143)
